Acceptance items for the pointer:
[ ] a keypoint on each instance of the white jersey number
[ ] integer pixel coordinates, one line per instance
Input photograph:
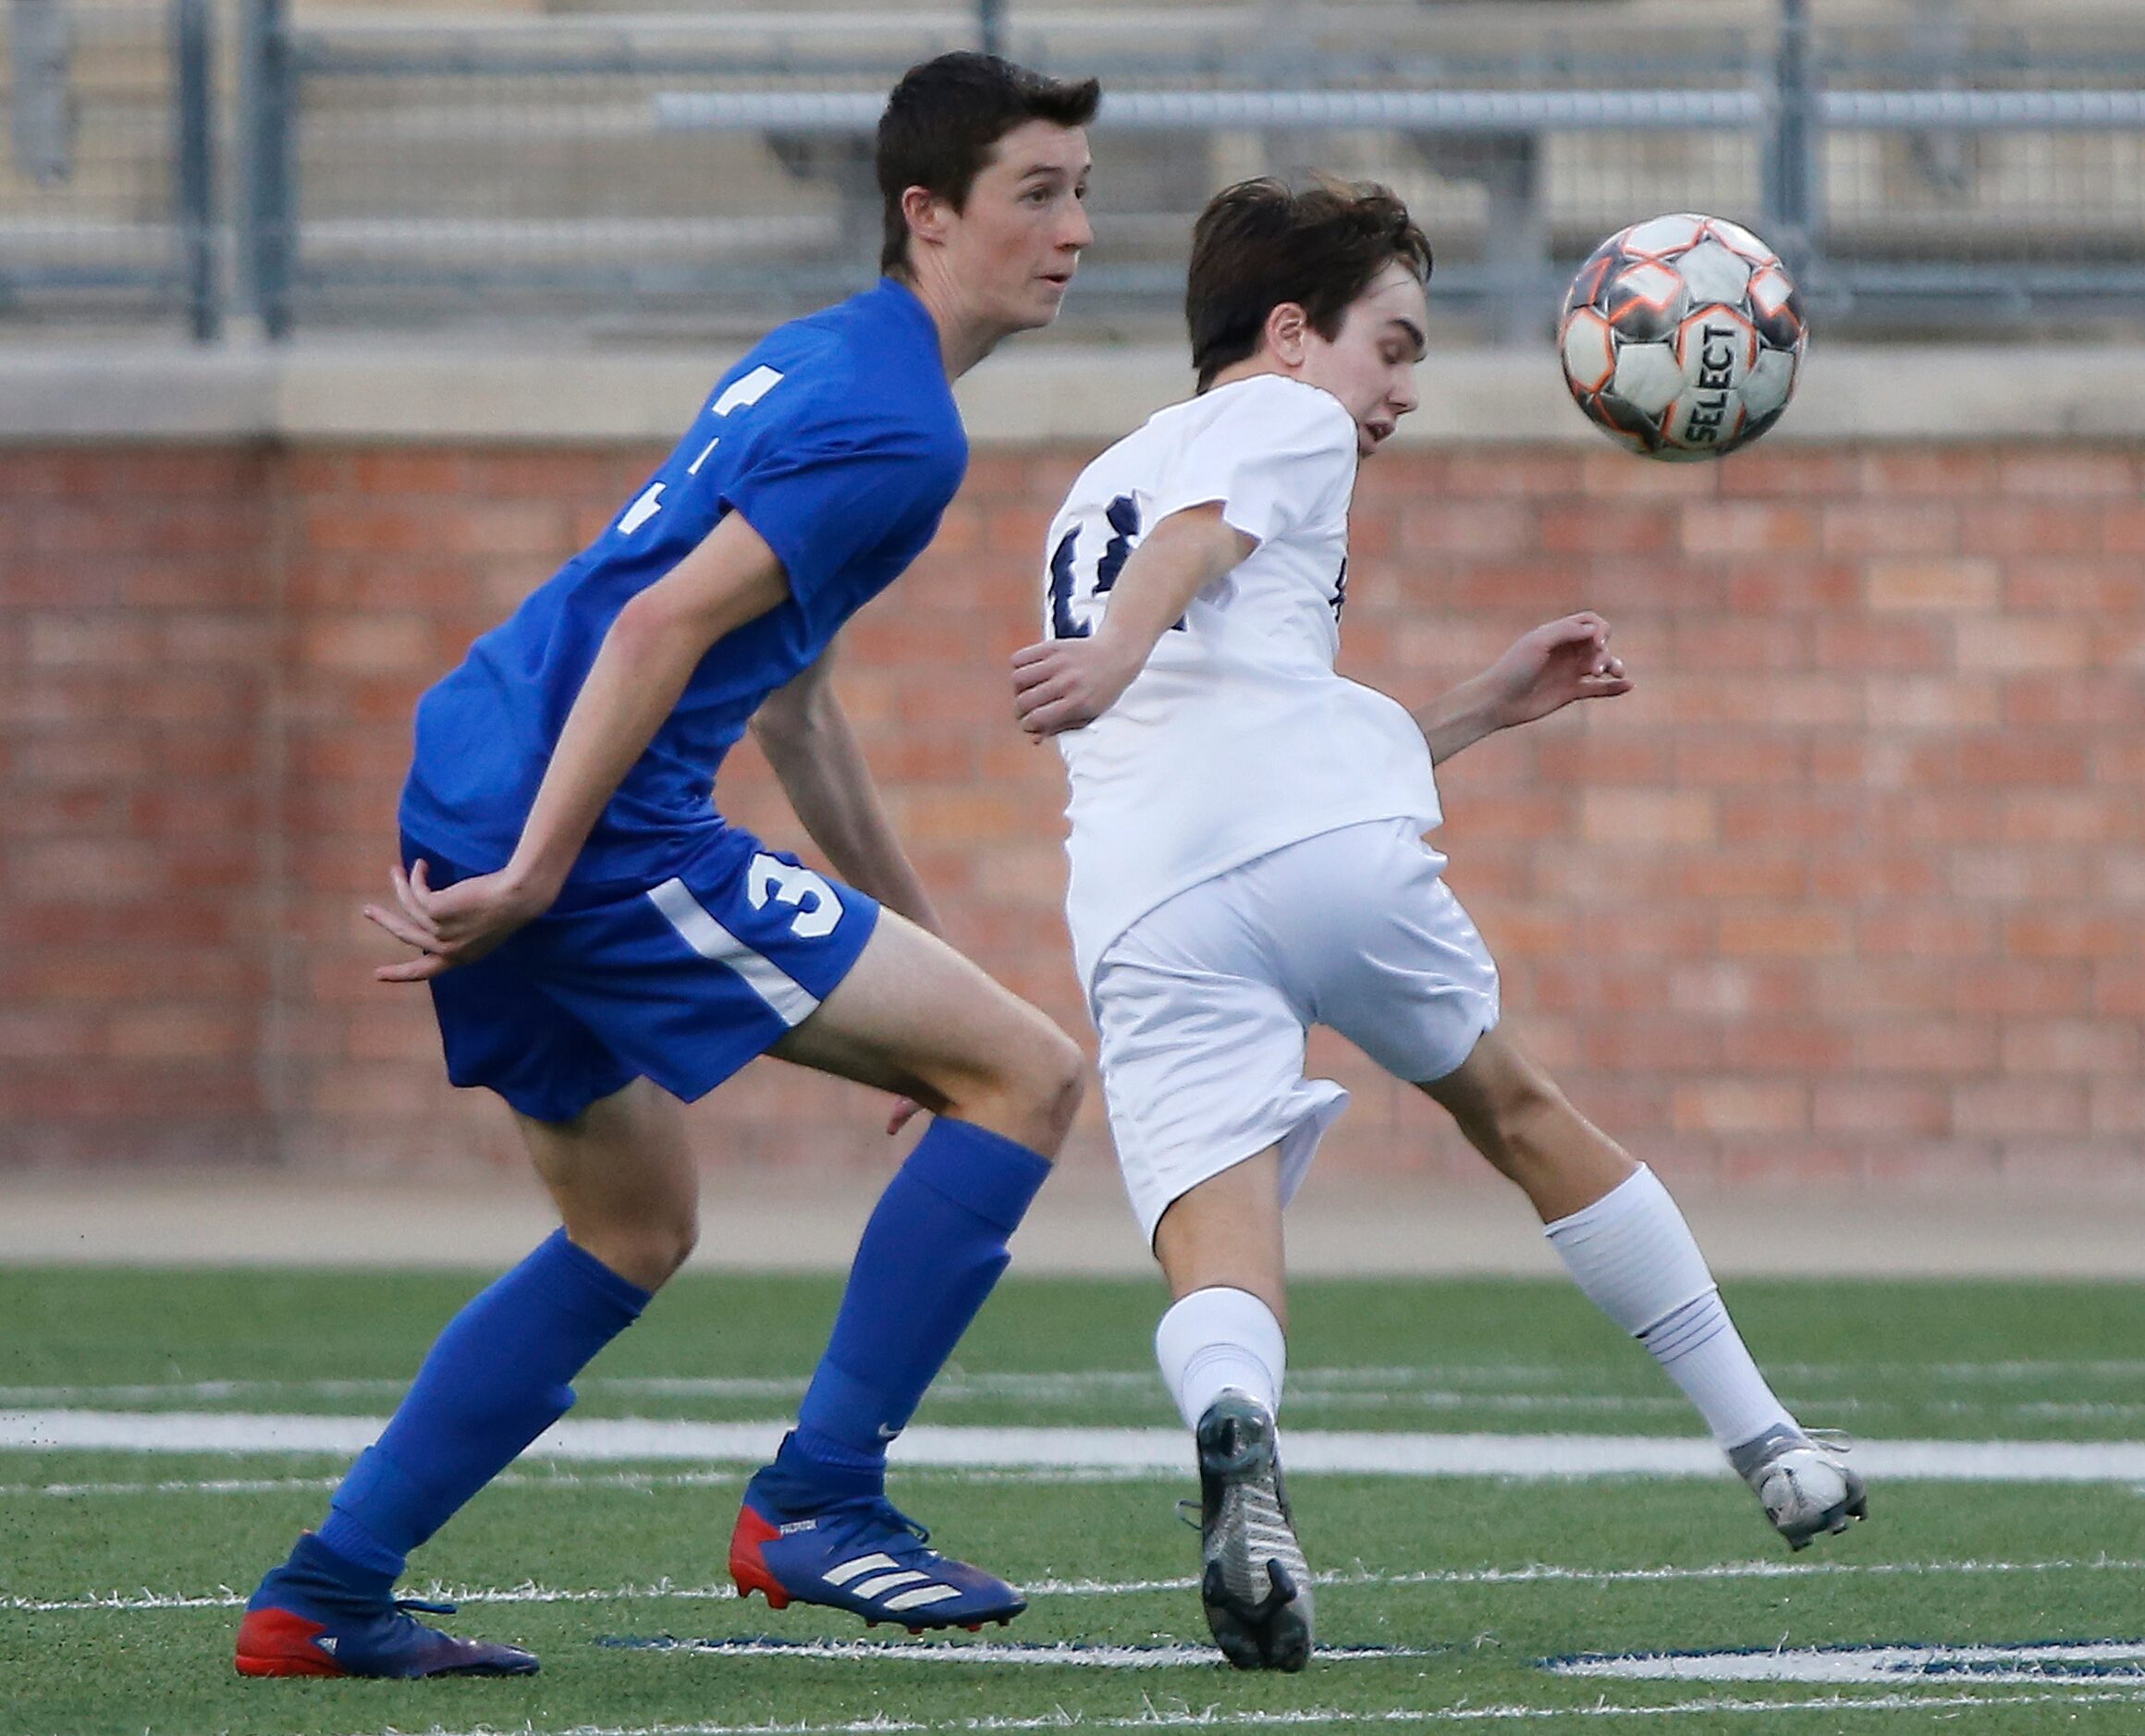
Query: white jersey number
(1078, 588)
(818, 907)
(740, 394)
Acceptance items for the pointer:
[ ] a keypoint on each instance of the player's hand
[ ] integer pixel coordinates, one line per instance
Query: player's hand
(454, 925)
(1547, 669)
(1065, 683)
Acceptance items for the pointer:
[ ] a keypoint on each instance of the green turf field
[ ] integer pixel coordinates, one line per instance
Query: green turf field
(120, 1571)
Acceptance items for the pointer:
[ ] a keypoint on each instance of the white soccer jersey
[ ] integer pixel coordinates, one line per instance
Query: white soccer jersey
(1238, 736)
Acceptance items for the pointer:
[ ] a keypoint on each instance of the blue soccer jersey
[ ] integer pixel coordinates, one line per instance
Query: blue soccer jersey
(839, 440)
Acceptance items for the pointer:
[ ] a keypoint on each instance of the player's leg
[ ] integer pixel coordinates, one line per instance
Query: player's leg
(500, 1374)
(622, 1176)
(1225, 1232)
(1626, 1245)
(1223, 1352)
(745, 951)
(1398, 968)
(1202, 1054)
(914, 1017)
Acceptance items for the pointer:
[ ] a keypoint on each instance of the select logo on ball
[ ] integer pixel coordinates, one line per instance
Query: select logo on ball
(1681, 336)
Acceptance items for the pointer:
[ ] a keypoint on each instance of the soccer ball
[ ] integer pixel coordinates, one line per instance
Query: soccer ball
(1682, 337)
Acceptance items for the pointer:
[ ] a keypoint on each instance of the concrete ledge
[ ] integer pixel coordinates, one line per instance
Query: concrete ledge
(135, 392)
(1038, 394)
(786, 1221)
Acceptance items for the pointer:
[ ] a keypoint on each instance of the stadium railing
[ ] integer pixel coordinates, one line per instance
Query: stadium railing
(107, 183)
(642, 172)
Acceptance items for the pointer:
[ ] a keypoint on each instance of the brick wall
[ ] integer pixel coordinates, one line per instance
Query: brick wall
(137, 790)
(1855, 880)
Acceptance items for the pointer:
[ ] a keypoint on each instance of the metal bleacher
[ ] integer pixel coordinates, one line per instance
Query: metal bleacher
(1929, 165)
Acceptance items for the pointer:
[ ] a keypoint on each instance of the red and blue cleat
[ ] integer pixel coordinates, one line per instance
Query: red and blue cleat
(864, 1556)
(310, 1619)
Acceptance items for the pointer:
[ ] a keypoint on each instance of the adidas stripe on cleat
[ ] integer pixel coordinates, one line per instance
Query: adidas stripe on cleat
(864, 1558)
(309, 1618)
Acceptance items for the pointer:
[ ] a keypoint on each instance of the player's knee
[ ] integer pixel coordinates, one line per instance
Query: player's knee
(665, 1248)
(1042, 1080)
(1062, 1081)
(646, 1250)
(684, 1238)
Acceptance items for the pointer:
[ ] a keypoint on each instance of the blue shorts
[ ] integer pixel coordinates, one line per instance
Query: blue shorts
(681, 982)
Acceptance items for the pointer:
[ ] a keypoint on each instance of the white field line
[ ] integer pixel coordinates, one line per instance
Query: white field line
(1432, 1399)
(2053, 1368)
(2079, 1412)
(1545, 1574)
(1316, 1401)
(552, 1481)
(1183, 1717)
(1536, 1573)
(176, 1486)
(198, 1392)
(1434, 1382)
(2091, 1660)
(225, 1598)
(1340, 1389)
(1157, 1449)
(1079, 1383)
(1062, 1654)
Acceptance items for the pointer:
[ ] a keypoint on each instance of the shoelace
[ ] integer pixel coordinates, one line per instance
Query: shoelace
(1833, 1440)
(419, 1606)
(886, 1512)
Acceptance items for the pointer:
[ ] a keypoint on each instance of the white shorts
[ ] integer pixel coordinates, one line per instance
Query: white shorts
(1204, 1004)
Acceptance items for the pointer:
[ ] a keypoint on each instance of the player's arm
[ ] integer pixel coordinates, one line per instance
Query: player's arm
(1063, 683)
(639, 675)
(1542, 671)
(806, 735)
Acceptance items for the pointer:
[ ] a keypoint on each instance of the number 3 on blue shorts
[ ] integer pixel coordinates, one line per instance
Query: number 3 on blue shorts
(818, 910)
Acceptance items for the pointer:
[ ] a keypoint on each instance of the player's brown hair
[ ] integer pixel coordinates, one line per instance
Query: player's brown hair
(1261, 243)
(942, 120)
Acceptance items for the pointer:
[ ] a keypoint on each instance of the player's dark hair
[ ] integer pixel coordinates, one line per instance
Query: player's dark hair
(942, 120)
(1260, 243)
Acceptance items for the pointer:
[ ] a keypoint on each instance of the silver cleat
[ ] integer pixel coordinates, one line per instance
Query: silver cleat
(1254, 1584)
(1803, 1483)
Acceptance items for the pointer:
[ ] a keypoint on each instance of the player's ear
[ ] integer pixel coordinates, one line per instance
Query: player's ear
(927, 215)
(1287, 326)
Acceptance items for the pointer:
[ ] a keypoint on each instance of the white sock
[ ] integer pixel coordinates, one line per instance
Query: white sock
(1215, 1339)
(1633, 1255)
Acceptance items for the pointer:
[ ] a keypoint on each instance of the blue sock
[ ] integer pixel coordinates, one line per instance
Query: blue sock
(496, 1380)
(934, 1248)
